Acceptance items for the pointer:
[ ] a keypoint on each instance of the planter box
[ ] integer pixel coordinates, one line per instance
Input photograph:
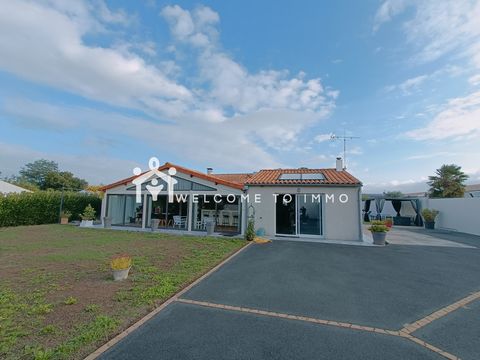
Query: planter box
(210, 225)
(64, 220)
(430, 225)
(107, 222)
(154, 224)
(379, 237)
(119, 275)
(86, 223)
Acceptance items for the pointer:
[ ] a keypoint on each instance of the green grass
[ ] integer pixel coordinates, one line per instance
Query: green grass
(57, 298)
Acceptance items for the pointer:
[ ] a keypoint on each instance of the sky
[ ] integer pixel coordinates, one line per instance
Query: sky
(102, 86)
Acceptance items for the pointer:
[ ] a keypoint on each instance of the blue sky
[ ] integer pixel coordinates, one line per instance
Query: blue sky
(241, 85)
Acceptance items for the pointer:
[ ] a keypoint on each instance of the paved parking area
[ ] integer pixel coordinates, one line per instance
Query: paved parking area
(290, 300)
(411, 235)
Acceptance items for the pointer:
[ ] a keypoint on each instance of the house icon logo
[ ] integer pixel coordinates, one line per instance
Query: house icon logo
(154, 189)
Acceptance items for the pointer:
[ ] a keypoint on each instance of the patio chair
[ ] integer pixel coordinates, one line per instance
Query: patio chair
(179, 221)
(200, 224)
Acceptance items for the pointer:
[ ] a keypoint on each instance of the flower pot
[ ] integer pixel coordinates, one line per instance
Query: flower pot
(379, 237)
(210, 225)
(86, 223)
(154, 224)
(107, 222)
(119, 275)
(430, 225)
(64, 220)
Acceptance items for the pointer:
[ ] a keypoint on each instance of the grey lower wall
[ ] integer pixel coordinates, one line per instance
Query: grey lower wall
(340, 221)
(459, 214)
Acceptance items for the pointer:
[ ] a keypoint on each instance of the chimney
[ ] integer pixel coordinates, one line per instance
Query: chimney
(209, 171)
(339, 164)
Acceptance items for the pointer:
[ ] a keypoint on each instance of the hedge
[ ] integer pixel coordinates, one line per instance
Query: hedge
(42, 207)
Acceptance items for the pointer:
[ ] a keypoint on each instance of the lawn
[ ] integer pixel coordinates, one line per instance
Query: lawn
(57, 298)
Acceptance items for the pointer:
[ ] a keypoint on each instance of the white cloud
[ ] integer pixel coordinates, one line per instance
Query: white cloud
(431, 155)
(45, 44)
(459, 119)
(474, 80)
(228, 108)
(408, 86)
(323, 137)
(438, 28)
(387, 11)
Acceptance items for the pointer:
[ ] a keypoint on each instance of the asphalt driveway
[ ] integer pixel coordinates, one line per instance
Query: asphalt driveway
(378, 287)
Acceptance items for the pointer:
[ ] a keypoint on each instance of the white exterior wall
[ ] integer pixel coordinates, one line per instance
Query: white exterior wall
(459, 214)
(340, 221)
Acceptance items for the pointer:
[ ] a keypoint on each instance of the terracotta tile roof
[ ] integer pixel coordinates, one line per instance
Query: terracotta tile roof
(236, 178)
(192, 173)
(332, 177)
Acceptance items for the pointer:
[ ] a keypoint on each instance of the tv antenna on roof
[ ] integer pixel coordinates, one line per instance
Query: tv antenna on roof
(345, 139)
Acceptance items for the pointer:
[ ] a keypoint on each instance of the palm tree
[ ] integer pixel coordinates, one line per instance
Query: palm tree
(448, 182)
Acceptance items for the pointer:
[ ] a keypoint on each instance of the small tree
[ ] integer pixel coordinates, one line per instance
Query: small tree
(88, 213)
(250, 232)
(36, 172)
(448, 183)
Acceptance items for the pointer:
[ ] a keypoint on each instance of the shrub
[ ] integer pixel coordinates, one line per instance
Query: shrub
(66, 213)
(88, 213)
(42, 207)
(429, 215)
(121, 262)
(378, 226)
(250, 232)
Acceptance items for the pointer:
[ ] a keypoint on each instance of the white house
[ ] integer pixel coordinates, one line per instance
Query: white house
(7, 188)
(297, 203)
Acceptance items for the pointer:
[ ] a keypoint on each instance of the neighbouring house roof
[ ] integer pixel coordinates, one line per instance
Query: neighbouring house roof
(7, 188)
(330, 177)
(473, 187)
(193, 173)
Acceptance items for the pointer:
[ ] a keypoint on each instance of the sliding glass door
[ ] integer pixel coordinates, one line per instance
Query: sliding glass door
(309, 215)
(286, 215)
(298, 214)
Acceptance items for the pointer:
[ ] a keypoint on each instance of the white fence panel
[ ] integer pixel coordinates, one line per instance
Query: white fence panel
(459, 214)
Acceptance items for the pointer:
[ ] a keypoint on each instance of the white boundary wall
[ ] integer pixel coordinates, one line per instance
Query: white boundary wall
(459, 214)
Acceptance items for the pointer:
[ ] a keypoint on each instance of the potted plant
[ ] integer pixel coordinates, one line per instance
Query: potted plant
(121, 266)
(250, 231)
(429, 216)
(88, 216)
(107, 222)
(154, 223)
(379, 231)
(64, 216)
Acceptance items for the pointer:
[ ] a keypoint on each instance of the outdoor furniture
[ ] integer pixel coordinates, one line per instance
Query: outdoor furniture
(402, 220)
(180, 221)
(226, 220)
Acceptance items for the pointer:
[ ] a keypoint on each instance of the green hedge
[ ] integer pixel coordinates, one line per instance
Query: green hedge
(42, 207)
